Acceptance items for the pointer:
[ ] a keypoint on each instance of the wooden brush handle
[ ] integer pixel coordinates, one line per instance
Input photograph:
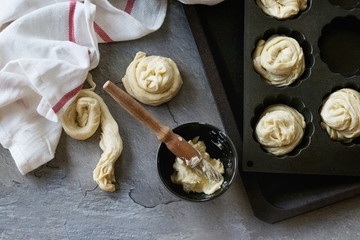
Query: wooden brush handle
(175, 143)
(135, 109)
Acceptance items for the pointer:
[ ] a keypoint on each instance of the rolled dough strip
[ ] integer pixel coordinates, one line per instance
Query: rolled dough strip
(81, 121)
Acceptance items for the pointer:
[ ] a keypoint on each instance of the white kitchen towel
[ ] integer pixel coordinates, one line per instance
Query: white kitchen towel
(207, 2)
(47, 48)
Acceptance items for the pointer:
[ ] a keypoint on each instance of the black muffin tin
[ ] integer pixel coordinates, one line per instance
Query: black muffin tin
(329, 33)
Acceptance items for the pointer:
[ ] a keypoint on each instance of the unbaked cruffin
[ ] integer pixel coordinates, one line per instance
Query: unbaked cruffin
(282, 9)
(279, 60)
(340, 115)
(81, 120)
(280, 129)
(152, 80)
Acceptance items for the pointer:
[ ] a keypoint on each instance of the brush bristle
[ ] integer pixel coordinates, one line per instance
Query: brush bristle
(209, 171)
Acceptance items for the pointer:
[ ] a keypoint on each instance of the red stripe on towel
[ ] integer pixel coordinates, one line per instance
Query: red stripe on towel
(102, 33)
(71, 21)
(66, 98)
(129, 6)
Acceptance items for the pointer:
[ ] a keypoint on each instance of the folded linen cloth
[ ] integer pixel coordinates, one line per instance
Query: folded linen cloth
(46, 53)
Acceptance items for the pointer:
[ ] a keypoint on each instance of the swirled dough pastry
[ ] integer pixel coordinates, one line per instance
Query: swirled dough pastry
(279, 60)
(282, 9)
(152, 80)
(190, 179)
(280, 129)
(340, 115)
(81, 120)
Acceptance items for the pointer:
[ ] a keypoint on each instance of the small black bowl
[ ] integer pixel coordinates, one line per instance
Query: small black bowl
(218, 145)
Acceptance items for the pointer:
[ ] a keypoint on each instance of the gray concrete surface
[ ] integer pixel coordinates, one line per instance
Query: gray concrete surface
(60, 200)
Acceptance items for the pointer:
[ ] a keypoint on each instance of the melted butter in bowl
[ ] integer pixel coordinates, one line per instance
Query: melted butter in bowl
(219, 147)
(195, 181)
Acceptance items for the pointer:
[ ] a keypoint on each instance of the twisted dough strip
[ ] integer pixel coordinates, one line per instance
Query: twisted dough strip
(152, 80)
(81, 120)
(279, 60)
(282, 9)
(340, 115)
(280, 129)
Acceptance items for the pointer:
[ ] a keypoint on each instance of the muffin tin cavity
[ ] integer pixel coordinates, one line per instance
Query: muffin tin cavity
(297, 105)
(304, 44)
(339, 46)
(299, 14)
(346, 4)
(355, 141)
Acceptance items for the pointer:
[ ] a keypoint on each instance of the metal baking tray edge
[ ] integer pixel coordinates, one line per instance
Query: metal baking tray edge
(265, 210)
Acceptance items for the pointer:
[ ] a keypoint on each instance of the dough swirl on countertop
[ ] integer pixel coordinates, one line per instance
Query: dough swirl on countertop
(152, 80)
(279, 60)
(280, 129)
(82, 119)
(282, 9)
(340, 115)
